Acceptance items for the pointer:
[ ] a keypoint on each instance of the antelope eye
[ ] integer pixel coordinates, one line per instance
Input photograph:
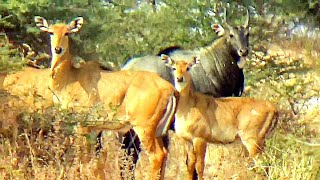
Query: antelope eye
(50, 33)
(231, 35)
(66, 34)
(174, 69)
(188, 68)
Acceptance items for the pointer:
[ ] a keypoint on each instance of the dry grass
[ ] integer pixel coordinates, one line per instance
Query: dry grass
(57, 153)
(46, 147)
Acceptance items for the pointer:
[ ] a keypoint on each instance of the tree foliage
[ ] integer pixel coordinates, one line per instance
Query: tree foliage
(117, 30)
(10, 58)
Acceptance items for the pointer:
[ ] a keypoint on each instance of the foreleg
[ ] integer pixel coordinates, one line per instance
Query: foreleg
(199, 146)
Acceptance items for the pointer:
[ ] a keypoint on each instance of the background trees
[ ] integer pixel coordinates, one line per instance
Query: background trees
(116, 30)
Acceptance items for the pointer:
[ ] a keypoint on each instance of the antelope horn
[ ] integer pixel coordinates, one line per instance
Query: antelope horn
(225, 15)
(246, 23)
(225, 23)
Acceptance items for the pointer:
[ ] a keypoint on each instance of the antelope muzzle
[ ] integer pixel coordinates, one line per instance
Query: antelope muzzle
(243, 52)
(180, 79)
(58, 50)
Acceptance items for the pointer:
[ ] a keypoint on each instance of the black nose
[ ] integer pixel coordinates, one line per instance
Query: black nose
(58, 50)
(244, 52)
(180, 79)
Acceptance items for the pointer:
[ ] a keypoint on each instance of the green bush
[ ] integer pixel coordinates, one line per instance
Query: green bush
(10, 57)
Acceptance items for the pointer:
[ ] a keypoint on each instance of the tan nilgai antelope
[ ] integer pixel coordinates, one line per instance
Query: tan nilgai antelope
(144, 101)
(200, 118)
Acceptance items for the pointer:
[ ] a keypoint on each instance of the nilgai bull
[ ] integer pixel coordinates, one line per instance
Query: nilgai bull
(220, 74)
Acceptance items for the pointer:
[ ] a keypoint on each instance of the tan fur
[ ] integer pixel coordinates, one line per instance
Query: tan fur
(200, 119)
(21, 92)
(2, 77)
(141, 97)
(31, 85)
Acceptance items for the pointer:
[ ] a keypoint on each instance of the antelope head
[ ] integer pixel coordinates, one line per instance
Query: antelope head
(237, 37)
(180, 69)
(59, 37)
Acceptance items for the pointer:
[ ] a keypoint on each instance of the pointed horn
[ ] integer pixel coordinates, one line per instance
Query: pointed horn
(225, 15)
(246, 23)
(225, 20)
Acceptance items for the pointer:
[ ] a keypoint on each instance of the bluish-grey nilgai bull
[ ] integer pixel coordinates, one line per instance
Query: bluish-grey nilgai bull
(221, 72)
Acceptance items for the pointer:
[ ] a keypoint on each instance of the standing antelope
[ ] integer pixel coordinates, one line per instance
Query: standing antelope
(221, 70)
(145, 101)
(200, 118)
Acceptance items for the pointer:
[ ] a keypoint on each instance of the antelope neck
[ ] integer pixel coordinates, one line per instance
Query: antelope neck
(61, 62)
(185, 93)
(218, 43)
(60, 68)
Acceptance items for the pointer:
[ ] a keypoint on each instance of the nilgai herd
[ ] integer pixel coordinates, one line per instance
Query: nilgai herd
(184, 90)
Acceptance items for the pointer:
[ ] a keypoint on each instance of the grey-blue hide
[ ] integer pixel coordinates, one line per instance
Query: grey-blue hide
(220, 73)
(150, 63)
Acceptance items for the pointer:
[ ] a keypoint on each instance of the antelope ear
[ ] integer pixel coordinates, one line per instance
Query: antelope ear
(218, 29)
(41, 23)
(167, 60)
(75, 25)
